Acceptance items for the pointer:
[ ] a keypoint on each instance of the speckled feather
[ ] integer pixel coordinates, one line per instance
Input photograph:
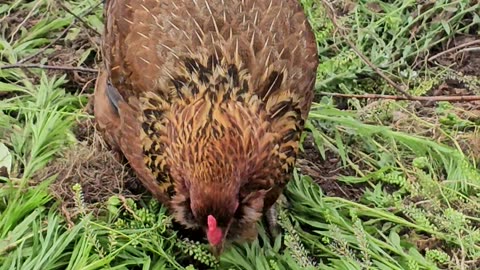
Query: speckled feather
(211, 92)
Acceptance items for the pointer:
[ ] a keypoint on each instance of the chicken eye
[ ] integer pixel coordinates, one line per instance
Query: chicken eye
(193, 213)
(189, 214)
(239, 212)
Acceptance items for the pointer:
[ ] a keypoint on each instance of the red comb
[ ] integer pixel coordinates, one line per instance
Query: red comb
(214, 234)
(212, 222)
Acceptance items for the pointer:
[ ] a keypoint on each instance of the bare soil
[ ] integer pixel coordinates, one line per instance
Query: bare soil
(99, 171)
(325, 172)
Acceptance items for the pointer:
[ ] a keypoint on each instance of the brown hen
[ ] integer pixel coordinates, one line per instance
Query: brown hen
(207, 100)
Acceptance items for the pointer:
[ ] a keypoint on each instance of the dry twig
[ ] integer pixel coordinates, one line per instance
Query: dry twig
(40, 66)
(26, 59)
(411, 98)
(467, 44)
(78, 18)
(30, 14)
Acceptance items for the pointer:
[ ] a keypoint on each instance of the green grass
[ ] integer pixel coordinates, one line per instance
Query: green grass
(413, 171)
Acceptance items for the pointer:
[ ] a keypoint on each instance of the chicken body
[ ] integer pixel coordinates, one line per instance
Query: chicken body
(207, 100)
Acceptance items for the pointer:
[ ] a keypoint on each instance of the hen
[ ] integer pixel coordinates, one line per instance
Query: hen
(207, 100)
